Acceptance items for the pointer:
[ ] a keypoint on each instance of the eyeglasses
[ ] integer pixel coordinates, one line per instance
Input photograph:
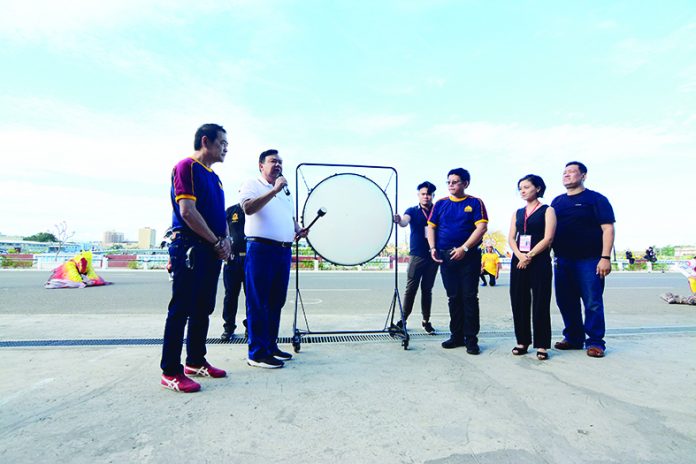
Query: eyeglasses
(454, 182)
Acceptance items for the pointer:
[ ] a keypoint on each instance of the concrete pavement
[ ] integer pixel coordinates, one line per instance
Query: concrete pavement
(345, 402)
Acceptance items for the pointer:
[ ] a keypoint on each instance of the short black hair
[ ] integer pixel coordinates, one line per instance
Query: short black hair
(431, 188)
(536, 181)
(462, 173)
(209, 130)
(262, 156)
(581, 167)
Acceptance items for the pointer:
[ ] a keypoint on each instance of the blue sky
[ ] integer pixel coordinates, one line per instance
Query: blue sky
(98, 100)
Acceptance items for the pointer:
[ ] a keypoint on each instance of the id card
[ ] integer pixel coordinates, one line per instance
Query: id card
(525, 243)
(425, 232)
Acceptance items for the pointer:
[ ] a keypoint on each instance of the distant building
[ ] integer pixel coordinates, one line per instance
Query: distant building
(146, 238)
(687, 252)
(111, 237)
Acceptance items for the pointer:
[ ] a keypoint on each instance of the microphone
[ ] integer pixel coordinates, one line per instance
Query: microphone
(285, 186)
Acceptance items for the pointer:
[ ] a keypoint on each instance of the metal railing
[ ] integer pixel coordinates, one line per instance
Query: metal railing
(50, 261)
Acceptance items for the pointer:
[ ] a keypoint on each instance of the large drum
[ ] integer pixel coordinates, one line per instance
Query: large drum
(358, 220)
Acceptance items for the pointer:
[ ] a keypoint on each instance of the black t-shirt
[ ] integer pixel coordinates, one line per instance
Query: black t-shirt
(235, 222)
(580, 217)
(419, 221)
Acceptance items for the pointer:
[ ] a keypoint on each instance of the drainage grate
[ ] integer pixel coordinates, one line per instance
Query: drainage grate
(317, 338)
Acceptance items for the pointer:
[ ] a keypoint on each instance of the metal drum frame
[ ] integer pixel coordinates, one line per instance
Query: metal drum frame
(390, 328)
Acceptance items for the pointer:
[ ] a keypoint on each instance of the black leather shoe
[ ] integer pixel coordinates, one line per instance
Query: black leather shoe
(473, 349)
(451, 343)
(227, 336)
(566, 345)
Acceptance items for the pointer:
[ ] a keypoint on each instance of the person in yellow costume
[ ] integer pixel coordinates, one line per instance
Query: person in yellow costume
(76, 272)
(689, 271)
(490, 265)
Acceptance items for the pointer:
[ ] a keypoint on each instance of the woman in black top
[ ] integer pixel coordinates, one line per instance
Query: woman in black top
(531, 232)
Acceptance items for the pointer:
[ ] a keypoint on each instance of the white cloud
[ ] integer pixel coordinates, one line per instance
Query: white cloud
(631, 54)
(571, 140)
(47, 20)
(99, 171)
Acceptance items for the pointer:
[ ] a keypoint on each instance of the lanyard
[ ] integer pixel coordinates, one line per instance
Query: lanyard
(426, 216)
(526, 216)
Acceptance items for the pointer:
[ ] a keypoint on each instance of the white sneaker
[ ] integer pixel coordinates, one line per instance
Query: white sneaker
(267, 363)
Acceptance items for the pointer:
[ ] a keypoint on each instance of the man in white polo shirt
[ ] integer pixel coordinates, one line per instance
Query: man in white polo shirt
(270, 228)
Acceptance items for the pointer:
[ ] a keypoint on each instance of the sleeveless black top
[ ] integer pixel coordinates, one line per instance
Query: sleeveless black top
(536, 224)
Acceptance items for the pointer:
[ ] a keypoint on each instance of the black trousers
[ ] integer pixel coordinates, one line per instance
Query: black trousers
(460, 279)
(196, 271)
(233, 278)
(421, 271)
(484, 273)
(530, 290)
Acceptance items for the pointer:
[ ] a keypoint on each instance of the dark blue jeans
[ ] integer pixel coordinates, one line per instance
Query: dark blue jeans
(193, 300)
(576, 281)
(267, 272)
(460, 279)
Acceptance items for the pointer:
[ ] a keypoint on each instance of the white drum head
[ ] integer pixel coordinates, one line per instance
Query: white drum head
(358, 220)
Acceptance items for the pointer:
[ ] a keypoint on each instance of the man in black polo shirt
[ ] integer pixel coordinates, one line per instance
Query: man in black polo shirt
(421, 268)
(233, 272)
(582, 246)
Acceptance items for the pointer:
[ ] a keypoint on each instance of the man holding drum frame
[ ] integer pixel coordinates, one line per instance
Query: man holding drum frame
(270, 228)
(456, 228)
(421, 268)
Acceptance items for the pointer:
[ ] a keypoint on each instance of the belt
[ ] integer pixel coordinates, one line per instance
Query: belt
(268, 241)
(190, 237)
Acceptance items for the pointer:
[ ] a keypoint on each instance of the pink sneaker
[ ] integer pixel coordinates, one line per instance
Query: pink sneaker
(206, 370)
(179, 383)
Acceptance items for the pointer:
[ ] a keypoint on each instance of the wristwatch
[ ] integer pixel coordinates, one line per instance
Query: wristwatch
(606, 257)
(465, 248)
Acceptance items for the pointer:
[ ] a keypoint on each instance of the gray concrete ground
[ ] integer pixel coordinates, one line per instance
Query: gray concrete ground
(344, 402)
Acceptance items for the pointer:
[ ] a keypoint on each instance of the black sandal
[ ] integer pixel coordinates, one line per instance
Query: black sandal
(542, 355)
(517, 351)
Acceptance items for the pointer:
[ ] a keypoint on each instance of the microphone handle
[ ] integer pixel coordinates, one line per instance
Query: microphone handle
(286, 190)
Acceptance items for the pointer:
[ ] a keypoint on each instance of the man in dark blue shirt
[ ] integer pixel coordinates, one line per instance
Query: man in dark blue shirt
(200, 245)
(421, 268)
(456, 228)
(582, 247)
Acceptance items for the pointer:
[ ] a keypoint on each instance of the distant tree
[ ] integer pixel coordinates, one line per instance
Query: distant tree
(42, 237)
(62, 235)
(666, 251)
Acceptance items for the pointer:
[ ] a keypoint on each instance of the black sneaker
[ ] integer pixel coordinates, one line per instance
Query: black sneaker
(227, 335)
(428, 327)
(400, 324)
(451, 343)
(282, 355)
(267, 363)
(473, 349)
